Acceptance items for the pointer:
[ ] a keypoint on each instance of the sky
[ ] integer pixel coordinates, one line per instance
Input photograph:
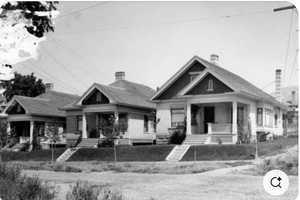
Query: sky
(150, 41)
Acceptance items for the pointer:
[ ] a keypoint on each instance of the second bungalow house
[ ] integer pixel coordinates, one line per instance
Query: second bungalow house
(122, 102)
(216, 106)
(37, 117)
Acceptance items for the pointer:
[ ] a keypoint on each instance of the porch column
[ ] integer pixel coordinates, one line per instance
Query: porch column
(252, 118)
(31, 132)
(151, 125)
(234, 121)
(116, 114)
(188, 119)
(8, 129)
(84, 126)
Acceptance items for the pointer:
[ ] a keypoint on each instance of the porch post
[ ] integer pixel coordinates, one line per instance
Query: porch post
(234, 122)
(116, 114)
(31, 132)
(188, 119)
(252, 118)
(84, 126)
(8, 128)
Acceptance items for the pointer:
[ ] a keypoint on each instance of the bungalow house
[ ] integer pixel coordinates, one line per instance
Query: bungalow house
(30, 117)
(215, 105)
(101, 107)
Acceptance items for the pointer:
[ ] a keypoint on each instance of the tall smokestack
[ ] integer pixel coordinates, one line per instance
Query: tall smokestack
(278, 84)
(214, 58)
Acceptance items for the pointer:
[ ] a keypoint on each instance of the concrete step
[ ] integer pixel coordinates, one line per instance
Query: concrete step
(88, 143)
(67, 154)
(178, 152)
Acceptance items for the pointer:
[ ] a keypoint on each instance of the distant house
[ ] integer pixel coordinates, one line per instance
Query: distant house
(215, 105)
(122, 102)
(30, 117)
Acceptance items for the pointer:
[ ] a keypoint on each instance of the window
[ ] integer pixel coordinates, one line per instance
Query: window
(259, 117)
(269, 117)
(276, 120)
(146, 120)
(79, 123)
(123, 122)
(98, 98)
(193, 76)
(177, 117)
(210, 86)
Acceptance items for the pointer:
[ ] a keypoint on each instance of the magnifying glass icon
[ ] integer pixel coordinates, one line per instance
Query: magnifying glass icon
(273, 180)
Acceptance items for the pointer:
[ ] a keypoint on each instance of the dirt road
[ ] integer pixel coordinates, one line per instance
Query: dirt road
(221, 184)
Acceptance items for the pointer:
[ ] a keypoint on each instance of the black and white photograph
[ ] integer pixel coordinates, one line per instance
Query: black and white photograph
(149, 100)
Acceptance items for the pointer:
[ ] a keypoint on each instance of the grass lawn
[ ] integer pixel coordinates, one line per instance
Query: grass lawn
(136, 167)
(42, 155)
(124, 153)
(276, 146)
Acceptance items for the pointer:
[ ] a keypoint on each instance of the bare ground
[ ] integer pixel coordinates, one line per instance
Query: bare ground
(219, 184)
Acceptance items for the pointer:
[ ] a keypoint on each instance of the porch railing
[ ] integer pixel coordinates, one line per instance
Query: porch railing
(219, 128)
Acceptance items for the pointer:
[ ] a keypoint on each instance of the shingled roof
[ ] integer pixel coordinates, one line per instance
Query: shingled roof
(47, 104)
(121, 92)
(240, 84)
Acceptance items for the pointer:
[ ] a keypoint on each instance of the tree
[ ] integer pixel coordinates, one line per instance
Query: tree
(24, 25)
(32, 11)
(25, 85)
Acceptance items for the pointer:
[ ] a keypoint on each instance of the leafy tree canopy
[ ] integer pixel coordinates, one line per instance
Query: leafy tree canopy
(39, 13)
(25, 85)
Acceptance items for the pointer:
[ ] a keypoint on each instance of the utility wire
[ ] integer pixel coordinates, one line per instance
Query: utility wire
(50, 76)
(82, 9)
(106, 28)
(79, 80)
(288, 45)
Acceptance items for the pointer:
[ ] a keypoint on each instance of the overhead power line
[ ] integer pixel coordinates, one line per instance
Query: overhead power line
(82, 9)
(106, 28)
(284, 8)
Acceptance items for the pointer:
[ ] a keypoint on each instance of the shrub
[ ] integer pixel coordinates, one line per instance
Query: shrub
(13, 186)
(287, 162)
(177, 137)
(82, 191)
(62, 168)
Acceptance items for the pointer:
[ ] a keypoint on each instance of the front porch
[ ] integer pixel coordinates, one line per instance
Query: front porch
(125, 125)
(218, 122)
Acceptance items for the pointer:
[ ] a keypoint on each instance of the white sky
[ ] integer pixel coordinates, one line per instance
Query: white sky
(150, 41)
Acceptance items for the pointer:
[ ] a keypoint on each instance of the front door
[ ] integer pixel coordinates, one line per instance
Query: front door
(209, 116)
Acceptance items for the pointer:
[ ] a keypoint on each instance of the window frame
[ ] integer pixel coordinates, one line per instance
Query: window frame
(175, 124)
(210, 85)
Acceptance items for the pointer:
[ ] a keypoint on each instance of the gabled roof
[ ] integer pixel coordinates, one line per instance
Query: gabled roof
(121, 92)
(237, 83)
(46, 104)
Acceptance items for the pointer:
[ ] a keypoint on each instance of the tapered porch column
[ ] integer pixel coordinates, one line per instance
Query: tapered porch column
(8, 129)
(116, 115)
(234, 121)
(188, 119)
(84, 126)
(31, 132)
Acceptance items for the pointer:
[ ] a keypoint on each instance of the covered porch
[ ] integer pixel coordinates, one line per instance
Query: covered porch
(128, 124)
(220, 122)
(27, 128)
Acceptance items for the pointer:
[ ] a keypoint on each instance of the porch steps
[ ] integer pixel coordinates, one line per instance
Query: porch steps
(195, 139)
(177, 152)
(67, 154)
(88, 143)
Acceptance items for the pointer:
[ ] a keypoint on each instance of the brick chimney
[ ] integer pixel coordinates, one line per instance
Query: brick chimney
(120, 76)
(214, 58)
(49, 86)
(278, 84)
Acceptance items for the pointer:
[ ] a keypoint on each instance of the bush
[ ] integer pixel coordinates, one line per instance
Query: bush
(83, 191)
(63, 168)
(287, 162)
(13, 186)
(177, 137)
